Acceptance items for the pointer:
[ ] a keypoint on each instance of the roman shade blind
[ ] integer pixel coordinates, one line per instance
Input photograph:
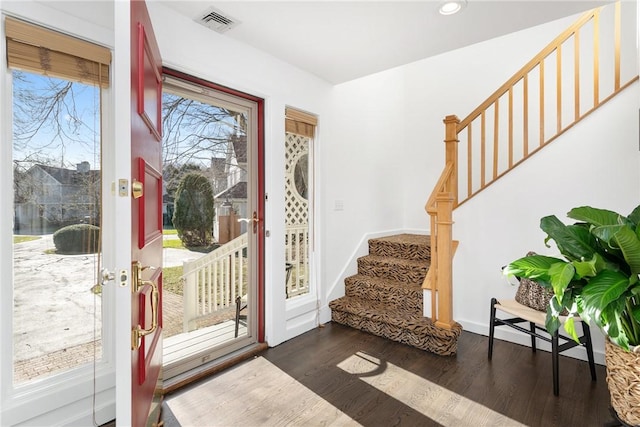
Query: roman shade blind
(300, 123)
(43, 51)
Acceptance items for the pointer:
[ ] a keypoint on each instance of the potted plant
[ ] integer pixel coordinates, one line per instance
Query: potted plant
(598, 279)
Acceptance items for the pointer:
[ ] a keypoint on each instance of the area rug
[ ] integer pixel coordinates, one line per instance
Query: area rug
(254, 393)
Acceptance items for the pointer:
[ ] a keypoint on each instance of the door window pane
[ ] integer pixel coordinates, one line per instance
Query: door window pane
(297, 214)
(57, 306)
(207, 149)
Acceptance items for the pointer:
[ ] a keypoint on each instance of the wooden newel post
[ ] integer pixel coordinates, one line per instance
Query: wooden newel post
(444, 260)
(451, 152)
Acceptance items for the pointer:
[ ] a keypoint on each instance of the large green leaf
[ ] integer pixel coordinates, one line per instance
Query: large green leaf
(611, 323)
(603, 289)
(570, 327)
(634, 216)
(534, 267)
(595, 216)
(606, 232)
(607, 245)
(588, 315)
(560, 275)
(635, 312)
(629, 244)
(574, 241)
(552, 323)
(589, 268)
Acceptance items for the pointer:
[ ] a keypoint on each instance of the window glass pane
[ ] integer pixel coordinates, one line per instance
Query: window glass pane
(297, 213)
(56, 257)
(205, 177)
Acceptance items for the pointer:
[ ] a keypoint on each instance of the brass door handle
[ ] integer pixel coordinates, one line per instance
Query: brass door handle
(254, 219)
(136, 270)
(138, 331)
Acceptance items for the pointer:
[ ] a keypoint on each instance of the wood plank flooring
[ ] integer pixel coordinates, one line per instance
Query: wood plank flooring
(340, 376)
(178, 349)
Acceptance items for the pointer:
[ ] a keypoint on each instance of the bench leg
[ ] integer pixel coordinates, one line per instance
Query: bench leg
(492, 325)
(532, 328)
(586, 332)
(555, 361)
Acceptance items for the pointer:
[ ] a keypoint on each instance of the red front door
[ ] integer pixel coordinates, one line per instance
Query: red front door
(146, 221)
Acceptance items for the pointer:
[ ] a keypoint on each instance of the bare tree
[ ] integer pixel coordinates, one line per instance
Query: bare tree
(50, 115)
(195, 131)
(54, 120)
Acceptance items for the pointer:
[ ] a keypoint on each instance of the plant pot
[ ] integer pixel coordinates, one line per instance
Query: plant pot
(623, 379)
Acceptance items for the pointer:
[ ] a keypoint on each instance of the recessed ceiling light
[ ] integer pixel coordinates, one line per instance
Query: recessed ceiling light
(451, 6)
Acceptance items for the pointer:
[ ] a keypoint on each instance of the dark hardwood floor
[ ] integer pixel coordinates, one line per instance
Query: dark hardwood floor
(516, 384)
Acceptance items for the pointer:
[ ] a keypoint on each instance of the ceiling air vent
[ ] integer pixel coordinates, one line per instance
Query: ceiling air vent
(214, 19)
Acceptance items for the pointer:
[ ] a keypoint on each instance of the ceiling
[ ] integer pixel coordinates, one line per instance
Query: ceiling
(344, 40)
(339, 40)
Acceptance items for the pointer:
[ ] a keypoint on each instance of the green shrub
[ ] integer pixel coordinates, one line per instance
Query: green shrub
(77, 239)
(193, 212)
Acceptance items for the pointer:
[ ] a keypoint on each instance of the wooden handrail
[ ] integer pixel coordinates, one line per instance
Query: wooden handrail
(553, 138)
(502, 147)
(430, 206)
(550, 48)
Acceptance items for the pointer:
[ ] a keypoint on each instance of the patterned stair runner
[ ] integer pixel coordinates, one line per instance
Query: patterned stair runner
(385, 297)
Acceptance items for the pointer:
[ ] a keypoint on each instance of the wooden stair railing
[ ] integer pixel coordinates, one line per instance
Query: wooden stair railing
(499, 144)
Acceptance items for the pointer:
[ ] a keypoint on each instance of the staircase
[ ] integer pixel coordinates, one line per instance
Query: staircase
(385, 298)
(539, 103)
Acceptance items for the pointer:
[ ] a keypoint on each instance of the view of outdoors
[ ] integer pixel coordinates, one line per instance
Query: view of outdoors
(57, 198)
(205, 178)
(56, 169)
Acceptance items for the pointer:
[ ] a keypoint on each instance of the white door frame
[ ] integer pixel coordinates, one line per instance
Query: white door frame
(119, 216)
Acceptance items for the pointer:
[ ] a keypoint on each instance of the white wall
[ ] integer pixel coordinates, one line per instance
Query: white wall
(206, 54)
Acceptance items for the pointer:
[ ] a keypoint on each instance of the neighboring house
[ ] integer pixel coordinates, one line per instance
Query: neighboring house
(234, 195)
(61, 197)
(218, 174)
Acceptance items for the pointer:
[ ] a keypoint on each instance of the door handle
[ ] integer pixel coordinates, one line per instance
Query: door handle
(254, 219)
(136, 271)
(138, 331)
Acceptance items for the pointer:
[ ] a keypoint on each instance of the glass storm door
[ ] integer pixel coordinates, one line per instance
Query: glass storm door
(211, 223)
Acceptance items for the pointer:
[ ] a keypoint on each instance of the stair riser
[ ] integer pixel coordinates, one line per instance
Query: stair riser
(409, 274)
(402, 250)
(398, 299)
(422, 339)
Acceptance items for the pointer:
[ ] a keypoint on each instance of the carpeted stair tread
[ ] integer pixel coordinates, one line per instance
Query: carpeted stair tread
(408, 328)
(406, 246)
(396, 295)
(401, 270)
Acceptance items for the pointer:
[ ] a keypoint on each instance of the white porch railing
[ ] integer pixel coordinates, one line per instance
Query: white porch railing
(297, 257)
(213, 281)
